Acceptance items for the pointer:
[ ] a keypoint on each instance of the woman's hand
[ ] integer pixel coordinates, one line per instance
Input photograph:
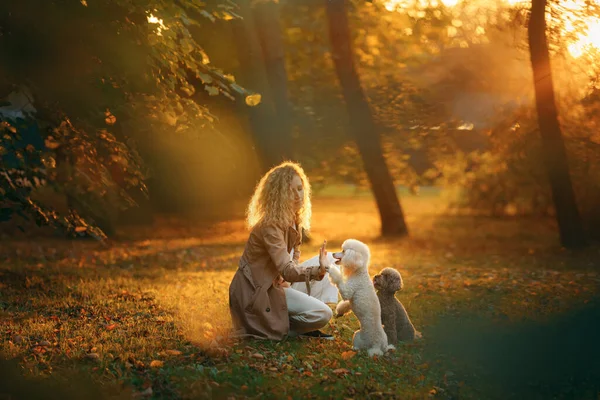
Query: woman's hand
(323, 261)
(281, 282)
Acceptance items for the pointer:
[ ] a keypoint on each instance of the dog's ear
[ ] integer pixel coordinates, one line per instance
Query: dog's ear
(360, 253)
(353, 258)
(396, 282)
(393, 280)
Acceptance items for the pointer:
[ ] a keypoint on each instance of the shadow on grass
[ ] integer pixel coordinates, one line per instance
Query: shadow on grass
(556, 358)
(74, 385)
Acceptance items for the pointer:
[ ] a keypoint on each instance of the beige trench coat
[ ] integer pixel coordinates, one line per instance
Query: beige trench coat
(257, 305)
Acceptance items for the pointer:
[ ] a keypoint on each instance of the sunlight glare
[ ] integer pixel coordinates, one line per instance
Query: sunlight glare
(155, 20)
(395, 5)
(392, 5)
(466, 126)
(585, 41)
(450, 3)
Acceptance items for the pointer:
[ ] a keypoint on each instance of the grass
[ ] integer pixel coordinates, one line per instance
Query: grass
(148, 315)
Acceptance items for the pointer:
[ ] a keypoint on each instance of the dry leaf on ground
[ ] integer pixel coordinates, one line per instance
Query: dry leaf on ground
(341, 371)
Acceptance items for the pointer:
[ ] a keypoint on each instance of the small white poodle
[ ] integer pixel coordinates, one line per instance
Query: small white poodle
(359, 295)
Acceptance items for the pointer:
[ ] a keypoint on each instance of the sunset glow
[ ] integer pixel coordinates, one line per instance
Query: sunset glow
(590, 40)
(585, 40)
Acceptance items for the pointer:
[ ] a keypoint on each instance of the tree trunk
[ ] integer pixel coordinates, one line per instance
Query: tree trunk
(362, 123)
(553, 147)
(262, 117)
(266, 16)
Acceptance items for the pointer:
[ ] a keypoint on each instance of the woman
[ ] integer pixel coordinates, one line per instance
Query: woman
(261, 302)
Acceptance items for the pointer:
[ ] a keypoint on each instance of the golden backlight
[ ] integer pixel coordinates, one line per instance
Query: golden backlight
(583, 39)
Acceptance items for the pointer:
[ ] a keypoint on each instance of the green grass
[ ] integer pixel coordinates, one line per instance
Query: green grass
(148, 316)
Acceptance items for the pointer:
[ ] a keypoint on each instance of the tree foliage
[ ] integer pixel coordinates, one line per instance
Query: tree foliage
(99, 78)
(452, 88)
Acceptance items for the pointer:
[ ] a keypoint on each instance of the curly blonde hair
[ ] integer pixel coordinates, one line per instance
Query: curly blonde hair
(272, 201)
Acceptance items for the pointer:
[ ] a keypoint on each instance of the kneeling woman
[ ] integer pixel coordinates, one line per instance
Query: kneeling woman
(261, 302)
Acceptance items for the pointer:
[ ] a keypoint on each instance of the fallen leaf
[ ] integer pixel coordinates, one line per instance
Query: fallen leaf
(92, 356)
(156, 364)
(258, 356)
(340, 371)
(346, 355)
(111, 327)
(253, 99)
(217, 352)
(145, 392)
(44, 343)
(173, 352)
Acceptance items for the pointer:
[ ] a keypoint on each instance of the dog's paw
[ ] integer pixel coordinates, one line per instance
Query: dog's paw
(375, 351)
(342, 308)
(335, 275)
(418, 335)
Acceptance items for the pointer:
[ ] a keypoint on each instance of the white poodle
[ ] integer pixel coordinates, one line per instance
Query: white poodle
(359, 295)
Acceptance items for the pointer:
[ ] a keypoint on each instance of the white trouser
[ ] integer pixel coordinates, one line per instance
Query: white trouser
(306, 312)
(323, 290)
